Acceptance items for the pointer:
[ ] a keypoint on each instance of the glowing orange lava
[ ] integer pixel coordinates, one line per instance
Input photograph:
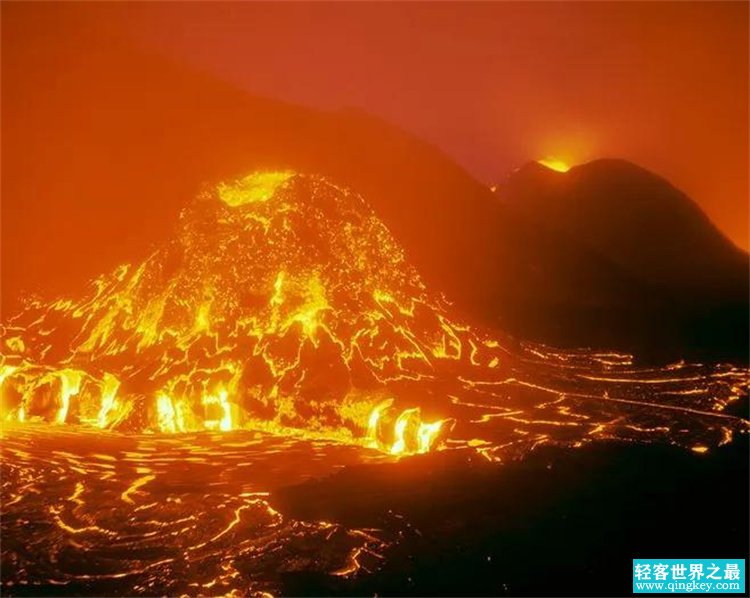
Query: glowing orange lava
(283, 304)
(555, 164)
(278, 335)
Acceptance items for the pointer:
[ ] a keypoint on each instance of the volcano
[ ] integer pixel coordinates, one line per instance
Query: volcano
(693, 280)
(283, 303)
(283, 289)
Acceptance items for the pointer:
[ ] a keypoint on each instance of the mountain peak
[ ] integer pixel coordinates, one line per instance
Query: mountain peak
(635, 218)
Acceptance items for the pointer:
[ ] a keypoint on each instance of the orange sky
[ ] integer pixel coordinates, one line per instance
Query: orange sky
(664, 84)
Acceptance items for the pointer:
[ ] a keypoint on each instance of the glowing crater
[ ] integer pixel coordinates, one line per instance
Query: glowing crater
(555, 164)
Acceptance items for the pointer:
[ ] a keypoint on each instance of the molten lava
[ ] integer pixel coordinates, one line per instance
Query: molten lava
(284, 304)
(279, 334)
(555, 164)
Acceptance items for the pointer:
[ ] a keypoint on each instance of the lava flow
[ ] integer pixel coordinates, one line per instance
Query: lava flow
(280, 334)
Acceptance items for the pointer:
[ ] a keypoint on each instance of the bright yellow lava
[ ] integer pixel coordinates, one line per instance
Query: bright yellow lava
(555, 164)
(286, 314)
(258, 186)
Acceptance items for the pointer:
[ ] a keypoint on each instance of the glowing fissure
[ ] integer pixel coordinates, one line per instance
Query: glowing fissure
(283, 303)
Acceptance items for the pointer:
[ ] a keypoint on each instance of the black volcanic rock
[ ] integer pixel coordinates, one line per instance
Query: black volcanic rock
(550, 525)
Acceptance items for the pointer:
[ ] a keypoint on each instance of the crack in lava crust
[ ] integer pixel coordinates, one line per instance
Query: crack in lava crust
(166, 515)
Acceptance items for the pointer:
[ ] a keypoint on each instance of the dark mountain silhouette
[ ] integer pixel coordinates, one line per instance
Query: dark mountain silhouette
(104, 142)
(654, 232)
(636, 219)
